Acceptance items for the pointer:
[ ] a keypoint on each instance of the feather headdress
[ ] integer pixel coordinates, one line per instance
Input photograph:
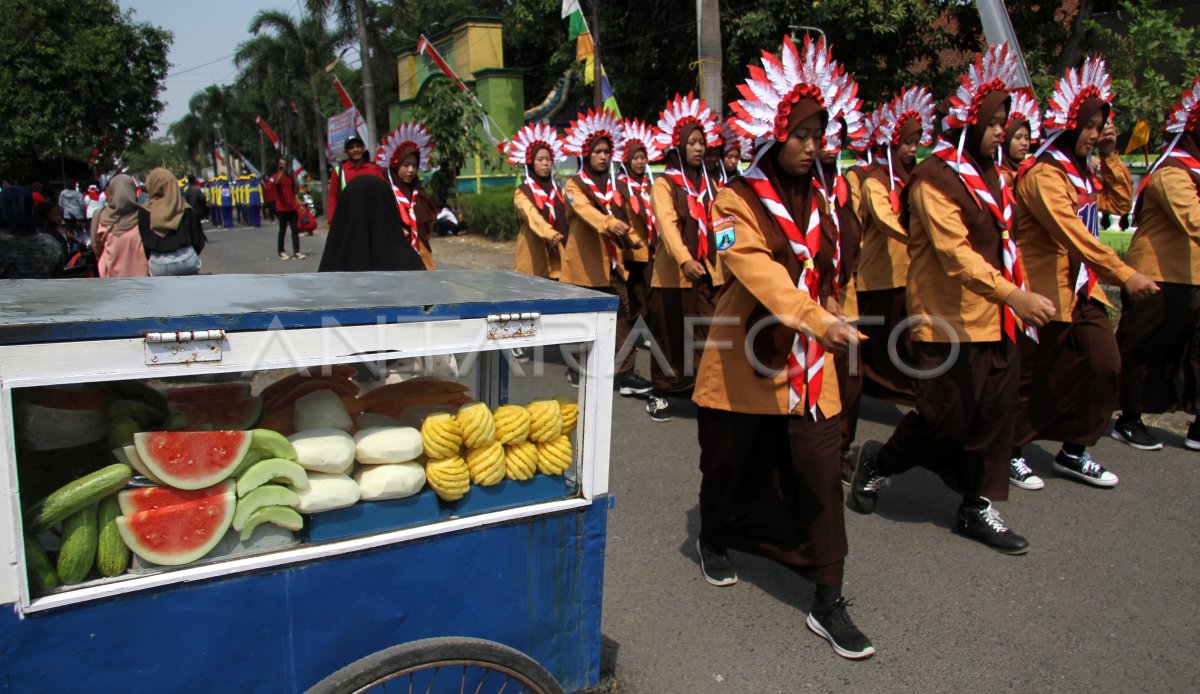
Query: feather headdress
(1025, 108)
(409, 136)
(587, 127)
(1071, 90)
(996, 69)
(638, 134)
(683, 110)
(532, 137)
(914, 103)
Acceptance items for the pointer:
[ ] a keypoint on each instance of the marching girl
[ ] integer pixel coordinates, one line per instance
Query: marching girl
(404, 152)
(541, 208)
(1069, 376)
(1160, 357)
(686, 273)
(768, 418)
(1022, 129)
(903, 124)
(592, 257)
(634, 154)
(865, 146)
(737, 148)
(965, 299)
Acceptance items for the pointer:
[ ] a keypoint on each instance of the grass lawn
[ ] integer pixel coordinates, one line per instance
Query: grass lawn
(1117, 240)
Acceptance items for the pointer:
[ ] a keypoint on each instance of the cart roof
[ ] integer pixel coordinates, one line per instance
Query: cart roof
(77, 309)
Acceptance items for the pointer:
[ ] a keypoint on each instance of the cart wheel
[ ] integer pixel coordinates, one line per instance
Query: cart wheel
(448, 664)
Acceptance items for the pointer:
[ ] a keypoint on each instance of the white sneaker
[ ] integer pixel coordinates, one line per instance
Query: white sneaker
(1019, 475)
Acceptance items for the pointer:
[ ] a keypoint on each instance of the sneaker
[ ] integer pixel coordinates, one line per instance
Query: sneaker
(1019, 475)
(865, 484)
(1083, 469)
(658, 409)
(1193, 436)
(833, 623)
(284, 256)
(573, 377)
(632, 385)
(299, 256)
(984, 523)
(715, 565)
(847, 468)
(1134, 433)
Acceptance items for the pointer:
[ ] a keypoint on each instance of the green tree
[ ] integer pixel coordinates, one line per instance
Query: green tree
(1151, 53)
(156, 152)
(454, 121)
(78, 75)
(354, 16)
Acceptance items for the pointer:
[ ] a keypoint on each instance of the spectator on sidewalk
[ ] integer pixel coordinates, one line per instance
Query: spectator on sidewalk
(74, 211)
(446, 223)
(357, 164)
(193, 196)
(170, 230)
(26, 252)
(93, 202)
(287, 207)
(118, 252)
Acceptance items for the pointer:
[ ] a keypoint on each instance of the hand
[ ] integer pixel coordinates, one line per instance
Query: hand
(1140, 286)
(693, 270)
(838, 337)
(1107, 143)
(558, 239)
(635, 243)
(622, 227)
(1032, 309)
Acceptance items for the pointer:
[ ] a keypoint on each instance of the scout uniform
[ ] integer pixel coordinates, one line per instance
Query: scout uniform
(637, 211)
(416, 210)
(540, 205)
(255, 193)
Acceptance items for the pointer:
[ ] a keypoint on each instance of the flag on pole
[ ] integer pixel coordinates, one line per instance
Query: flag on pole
(1139, 138)
(424, 46)
(297, 168)
(585, 52)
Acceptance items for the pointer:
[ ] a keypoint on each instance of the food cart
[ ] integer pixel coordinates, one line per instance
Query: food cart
(518, 563)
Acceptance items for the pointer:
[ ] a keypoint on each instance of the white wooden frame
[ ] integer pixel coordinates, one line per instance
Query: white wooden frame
(50, 364)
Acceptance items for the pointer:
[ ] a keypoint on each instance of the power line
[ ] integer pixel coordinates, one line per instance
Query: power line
(197, 67)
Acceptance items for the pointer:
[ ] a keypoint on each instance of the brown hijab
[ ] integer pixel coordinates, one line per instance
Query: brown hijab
(120, 212)
(166, 206)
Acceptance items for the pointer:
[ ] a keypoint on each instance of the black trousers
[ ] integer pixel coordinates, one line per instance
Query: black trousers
(292, 218)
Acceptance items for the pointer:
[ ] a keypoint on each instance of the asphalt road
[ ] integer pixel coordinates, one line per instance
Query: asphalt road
(1107, 599)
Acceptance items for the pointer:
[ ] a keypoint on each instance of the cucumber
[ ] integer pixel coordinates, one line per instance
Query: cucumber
(112, 556)
(78, 551)
(121, 430)
(145, 415)
(273, 443)
(72, 497)
(42, 577)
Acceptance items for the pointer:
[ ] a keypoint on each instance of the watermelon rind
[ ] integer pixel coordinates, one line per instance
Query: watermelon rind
(266, 495)
(269, 470)
(220, 509)
(283, 516)
(150, 498)
(161, 470)
(130, 457)
(237, 414)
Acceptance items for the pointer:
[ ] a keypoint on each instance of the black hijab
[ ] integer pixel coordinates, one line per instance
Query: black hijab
(367, 234)
(17, 211)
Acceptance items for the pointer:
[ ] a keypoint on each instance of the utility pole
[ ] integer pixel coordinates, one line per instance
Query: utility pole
(597, 91)
(708, 39)
(368, 79)
(262, 152)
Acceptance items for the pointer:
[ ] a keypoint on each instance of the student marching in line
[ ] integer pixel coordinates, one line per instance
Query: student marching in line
(768, 419)
(592, 257)
(737, 148)
(1069, 375)
(964, 297)
(686, 273)
(637, 149)
(1158, 338)
(902, 125)
(1022, 129)
(541, 208)
(403, 153)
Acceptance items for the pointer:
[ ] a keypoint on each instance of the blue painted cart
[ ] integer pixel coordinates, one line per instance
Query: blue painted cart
(521, 565)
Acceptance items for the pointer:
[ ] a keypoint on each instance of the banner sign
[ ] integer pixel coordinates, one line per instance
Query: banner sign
(341, 127)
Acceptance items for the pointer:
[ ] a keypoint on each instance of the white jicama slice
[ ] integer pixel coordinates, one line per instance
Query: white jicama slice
(324, 450)
(396, 481)
(327, 491)
(385, 445)
(321, 409)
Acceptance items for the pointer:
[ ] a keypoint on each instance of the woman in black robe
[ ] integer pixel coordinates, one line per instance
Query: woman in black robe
(367, 234)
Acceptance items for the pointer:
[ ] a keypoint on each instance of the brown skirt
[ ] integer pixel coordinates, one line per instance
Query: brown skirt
(1069, 379)
(850, 387)
(962, 428)
(881, 377)
(771, 486)
(673, 362)
(624, 359)
(1160, 358)
(638, 283)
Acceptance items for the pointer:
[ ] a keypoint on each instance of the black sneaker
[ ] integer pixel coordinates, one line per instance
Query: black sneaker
(1020, 475)
(1084, 469)
(573, 377)
(1193, 437)
(983, 523)
(715, 565)
(632, 385)
(865, 484)
(834, 624)
(658, 409)
(1135, 433)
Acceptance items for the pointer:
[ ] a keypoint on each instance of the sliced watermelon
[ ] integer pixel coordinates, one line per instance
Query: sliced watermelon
(208, 391)
(179, 534)
(228, 413)
(151, 498)
(191, 459)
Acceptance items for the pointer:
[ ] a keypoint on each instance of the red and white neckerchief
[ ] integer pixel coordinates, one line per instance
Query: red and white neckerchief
(699, 205)
(806, 361)
(831, 206)
(639, 200)
(610, 196)
(1002, 212)
(543, 200)
(405, 207)
(1086, 187)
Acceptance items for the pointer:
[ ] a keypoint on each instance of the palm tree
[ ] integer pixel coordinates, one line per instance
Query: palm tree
(353, 13)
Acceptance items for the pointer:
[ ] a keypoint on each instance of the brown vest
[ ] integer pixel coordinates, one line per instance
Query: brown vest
(983, 234)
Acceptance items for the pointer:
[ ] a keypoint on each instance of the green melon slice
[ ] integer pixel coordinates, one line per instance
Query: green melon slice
(266, 495)
(282, 516)
(226, 413)
(191, 459)
(270, 470)
(272, 442)
(180, 534)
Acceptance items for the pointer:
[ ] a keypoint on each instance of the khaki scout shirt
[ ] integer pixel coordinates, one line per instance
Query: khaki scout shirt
(585, 261)
(534, 240)
(670, 252)
(1166, 245)
(883, 262)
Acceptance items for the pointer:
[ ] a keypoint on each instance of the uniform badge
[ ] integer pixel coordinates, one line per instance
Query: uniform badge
(723, 231)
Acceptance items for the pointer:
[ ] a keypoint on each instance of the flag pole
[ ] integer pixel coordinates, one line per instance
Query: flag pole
(426, 46)
(597, 89)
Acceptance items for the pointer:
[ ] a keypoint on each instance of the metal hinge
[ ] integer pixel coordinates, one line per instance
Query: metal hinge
(502, 325)
(183, 347)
